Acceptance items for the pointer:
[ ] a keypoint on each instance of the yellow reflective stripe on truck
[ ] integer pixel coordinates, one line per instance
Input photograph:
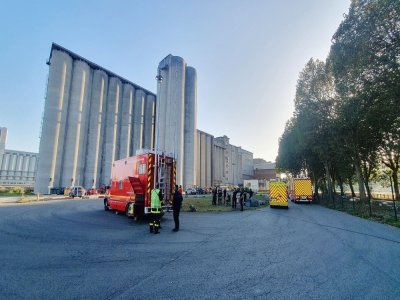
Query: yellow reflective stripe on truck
(278, 195)
(302, 187)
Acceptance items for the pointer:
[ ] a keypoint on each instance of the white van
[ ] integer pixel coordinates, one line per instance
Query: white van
(77, 191)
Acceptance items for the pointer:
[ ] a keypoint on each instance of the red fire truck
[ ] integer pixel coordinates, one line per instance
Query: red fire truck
(132, 180)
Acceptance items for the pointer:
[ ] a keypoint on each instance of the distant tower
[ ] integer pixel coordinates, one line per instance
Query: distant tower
(176, 115)
(3, 139)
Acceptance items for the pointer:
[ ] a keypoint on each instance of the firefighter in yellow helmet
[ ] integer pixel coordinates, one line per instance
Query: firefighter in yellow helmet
(155, 209)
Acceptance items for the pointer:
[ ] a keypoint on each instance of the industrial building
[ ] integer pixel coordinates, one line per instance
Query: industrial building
(17, 168)
(204, 155)
(93, 116)
(264, 170)
(231, 164)
(220, 163)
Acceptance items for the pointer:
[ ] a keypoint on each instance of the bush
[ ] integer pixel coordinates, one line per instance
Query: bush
(17, 190)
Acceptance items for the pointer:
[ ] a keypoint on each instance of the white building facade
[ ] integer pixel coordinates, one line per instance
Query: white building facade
(17, 168)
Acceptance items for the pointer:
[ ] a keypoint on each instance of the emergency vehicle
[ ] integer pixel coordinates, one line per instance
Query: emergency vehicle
(301, 190)
(133, 178)
(278, 194)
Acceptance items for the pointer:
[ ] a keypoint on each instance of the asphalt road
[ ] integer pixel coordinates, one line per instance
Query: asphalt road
(75, 250)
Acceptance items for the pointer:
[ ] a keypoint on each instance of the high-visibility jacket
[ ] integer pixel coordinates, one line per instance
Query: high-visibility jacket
(155, 201)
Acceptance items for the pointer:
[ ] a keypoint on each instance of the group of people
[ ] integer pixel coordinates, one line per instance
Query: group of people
(238, 195)
(155, 208)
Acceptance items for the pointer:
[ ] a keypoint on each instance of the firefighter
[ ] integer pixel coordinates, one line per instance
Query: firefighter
(177, 204)
(155, 209)
(234, 198)
(241, 199)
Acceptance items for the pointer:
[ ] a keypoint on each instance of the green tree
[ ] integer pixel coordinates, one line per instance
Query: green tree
(364, 59)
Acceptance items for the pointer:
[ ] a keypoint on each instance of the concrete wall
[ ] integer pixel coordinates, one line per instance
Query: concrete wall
(54, 121)
(231, 164)
(149, 122)
(76, 126)
(204, 164)
(126, 116)
(3, 139)
(96, 121)
(190, 126)
(138, 115)
(247, 164)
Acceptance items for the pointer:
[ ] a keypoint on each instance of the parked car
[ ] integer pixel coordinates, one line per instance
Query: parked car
(57, 191)
(191, 191)
(200, 191)
(92, 192)
(77, 191)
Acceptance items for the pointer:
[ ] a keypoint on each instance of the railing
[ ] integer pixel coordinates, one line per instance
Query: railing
(381, 206)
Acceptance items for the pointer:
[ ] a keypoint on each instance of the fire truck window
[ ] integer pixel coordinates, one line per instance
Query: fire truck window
(142, 169)
(120, 185)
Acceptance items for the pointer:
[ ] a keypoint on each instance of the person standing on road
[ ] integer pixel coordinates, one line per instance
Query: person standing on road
(241, 199)
(176, 205)
(234, 198)
(225, 196)
(214, 197)
(219, 196)
(155, 209)
(238, 195)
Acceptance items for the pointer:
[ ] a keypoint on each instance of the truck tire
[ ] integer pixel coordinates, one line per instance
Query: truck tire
(106, 206)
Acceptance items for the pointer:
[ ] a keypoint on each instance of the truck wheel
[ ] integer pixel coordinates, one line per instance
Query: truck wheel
(106, 206)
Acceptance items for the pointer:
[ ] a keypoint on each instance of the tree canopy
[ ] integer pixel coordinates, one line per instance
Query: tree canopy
(346, 119)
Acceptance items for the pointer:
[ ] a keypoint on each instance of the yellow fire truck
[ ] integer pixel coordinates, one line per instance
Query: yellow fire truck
(278, 194)
(301, 190)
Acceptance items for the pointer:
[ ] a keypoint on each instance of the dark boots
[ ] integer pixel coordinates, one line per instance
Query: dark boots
(151, 227)
(154, 227)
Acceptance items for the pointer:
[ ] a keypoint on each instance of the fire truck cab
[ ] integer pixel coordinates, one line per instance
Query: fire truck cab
(133, 178)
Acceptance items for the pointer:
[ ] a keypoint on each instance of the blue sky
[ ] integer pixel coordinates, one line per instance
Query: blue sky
(247, 54)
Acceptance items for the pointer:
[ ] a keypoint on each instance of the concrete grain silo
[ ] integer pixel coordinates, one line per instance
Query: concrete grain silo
(54, 121)
(25, 165)
(190, 127)
(88, 123)
(111, 127)
(74, 144)
(137, 131)
(96, 124)
(209, 153)
(126, 121)
(19, 166)
(170, 110)
(148, 126)
(32, 165)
